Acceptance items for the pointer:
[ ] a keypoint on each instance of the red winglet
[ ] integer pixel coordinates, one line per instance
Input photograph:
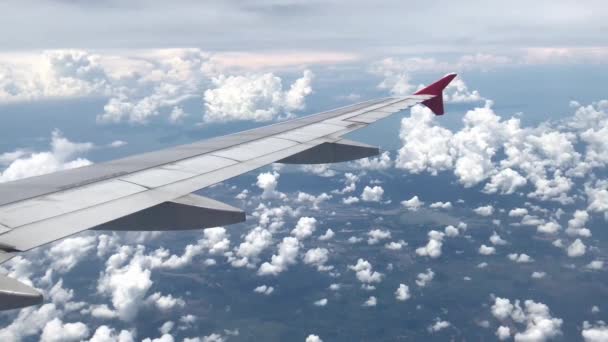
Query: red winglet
(436, 103)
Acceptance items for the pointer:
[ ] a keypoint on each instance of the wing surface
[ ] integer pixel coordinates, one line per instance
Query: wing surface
(152, 191)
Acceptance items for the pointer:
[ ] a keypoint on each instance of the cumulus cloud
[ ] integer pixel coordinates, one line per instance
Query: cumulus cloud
(486, 250)
(441, 205)
(56, 330)
(518, 212)
(484, 210)
(597, 332)
(254, 97)
(371, 301)
(535, 317)
(520, 258)
(328, 235)
(372, 194)
(304, 228)
(321, 302)
(64, 154)
(314, 201)
(549, 228)
(66, 253)
(268, 181)
(107, 334)
(595, 265)
(287, 255)
(422, 279)
(365, 273)
(402, 293)
(500, 151)
(381, 162)
(438, 325)
(264, 289)
(313, 338)
(413, 203)
(495, 239)
(576, 225)
(576, 249)
(377, 235)
(433, 247)
(255, 242)
(317, 257)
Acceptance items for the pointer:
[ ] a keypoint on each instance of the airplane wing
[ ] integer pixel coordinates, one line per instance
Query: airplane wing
(153, 191)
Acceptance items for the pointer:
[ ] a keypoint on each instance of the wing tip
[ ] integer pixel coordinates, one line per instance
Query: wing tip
(435, 104)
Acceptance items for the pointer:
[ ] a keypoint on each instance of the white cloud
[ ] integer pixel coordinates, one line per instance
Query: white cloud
(438, 325)
(165, 303)
(484, 210)
(321, 302)
(595, 265)
(328, 235)
(395, 246)
(66, 253)
(268, 181)
(377, 235)
(538, 275)
(365, 272)
(433, 247)
(576, 249)
(536, 317)
(595, 332)
(402, 293)
(506, 181)
(317, 257)
(304, 228)
(518, 212)
(322, 170)
(62, 156)
(549, 228)
(371, 301)
(254, 97)
(541, 156)
(576, 225)
(314, 201)
(255, 242)
(503, 333)
(264, 289)
(486, 250)
(520, 258)
(495, 239)
(287, 255)
(382, 162)
(350, 200)
(106, 334)
(215, 240)
(56, 331)
(441, 205)
(422, 279)
(451, 231)
(413, 203)
(372, 194)
(103, 312)
(313, 338)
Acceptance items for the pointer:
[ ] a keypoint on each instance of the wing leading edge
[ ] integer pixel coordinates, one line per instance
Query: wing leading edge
(153, 191)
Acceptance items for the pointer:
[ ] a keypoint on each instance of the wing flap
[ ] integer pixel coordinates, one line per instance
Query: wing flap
(332, 152)
(187, 212)
(15, 294)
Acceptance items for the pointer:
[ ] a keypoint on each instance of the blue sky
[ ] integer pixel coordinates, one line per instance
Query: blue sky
(487, 223)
